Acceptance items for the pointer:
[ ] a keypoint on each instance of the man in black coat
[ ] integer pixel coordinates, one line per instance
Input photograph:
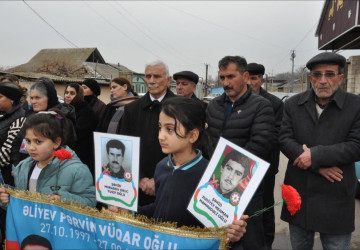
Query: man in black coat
(186, 85)
(141, 118)
(247, 120)
(256, 80)
(320, 134)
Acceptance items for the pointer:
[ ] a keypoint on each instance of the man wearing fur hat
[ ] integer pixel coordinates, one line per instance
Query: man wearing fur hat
(320, 135)
(256, 80)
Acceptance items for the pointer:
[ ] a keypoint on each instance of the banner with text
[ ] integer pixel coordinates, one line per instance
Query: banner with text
(70, 226)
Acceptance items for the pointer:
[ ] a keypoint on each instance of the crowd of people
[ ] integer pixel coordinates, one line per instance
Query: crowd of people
(317, 130)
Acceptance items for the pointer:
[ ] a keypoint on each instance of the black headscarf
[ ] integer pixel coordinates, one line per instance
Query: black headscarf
(51, 92)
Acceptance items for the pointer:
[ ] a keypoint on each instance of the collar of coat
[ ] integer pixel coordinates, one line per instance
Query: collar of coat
(241, 100)
(147, 101)
(309, 96)
(12, 111)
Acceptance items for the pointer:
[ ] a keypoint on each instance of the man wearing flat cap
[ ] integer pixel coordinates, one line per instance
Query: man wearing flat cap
(186, 85)
(320, 135)
(256, 80)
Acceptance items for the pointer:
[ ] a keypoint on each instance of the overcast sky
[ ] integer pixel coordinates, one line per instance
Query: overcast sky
(184, 34)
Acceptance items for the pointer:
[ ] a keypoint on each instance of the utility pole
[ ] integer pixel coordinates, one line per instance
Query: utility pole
(206, 77)
(292, 71)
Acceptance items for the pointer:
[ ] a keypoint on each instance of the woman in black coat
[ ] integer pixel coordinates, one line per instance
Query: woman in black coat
(91, 92)
(121, 94)
(12, 117)
(85, 124)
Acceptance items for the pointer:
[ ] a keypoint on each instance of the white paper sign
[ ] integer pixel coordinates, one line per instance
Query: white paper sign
(117, 169)
(227, 186)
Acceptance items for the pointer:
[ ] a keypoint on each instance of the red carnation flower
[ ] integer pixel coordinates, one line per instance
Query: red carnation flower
(291, 197)
(62, 154)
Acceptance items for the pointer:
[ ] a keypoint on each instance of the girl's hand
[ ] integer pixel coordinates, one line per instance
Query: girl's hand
(115, 209)
(53, 197)
(4, 196)
(150, 187)
(237, 229)
(147, 186)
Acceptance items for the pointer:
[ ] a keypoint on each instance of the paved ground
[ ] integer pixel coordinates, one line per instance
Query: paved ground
(282, 240)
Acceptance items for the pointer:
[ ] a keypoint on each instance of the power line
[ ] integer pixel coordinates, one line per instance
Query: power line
(124, 34)
(61, 35)
(305, 36)
(161, 42)
(222, 27)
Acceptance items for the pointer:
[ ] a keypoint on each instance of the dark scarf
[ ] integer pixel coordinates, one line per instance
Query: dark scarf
(119, 103)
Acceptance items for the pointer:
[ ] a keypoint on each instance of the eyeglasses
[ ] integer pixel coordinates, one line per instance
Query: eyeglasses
(327, 74)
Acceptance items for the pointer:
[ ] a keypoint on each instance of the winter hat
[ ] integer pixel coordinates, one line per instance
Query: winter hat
(11, 91)
(93, 85)
(327, 58)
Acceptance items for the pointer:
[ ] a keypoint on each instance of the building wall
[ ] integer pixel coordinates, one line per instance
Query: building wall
(353, 75)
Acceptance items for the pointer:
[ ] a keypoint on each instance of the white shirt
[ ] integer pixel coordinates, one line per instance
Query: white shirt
(159, 99)
(33, 178)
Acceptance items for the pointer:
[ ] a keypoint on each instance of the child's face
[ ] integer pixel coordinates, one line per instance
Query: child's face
(169, 141)
(40, 148)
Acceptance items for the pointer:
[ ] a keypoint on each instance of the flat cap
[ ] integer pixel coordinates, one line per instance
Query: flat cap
(256, 69)
(326, 58)
(187, 75)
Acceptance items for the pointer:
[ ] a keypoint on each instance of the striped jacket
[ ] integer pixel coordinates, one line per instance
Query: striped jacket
(10, 125)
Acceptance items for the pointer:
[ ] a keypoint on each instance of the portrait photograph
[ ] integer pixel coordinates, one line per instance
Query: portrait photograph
(227, 186)
(233, 172)
(117, 169)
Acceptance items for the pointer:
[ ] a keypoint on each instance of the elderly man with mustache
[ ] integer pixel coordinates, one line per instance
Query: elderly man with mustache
(320, 135)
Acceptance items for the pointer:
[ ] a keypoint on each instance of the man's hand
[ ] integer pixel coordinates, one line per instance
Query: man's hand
(304, 160)
(4, 196)
(147, 186)
(331, 174)
(237, 229)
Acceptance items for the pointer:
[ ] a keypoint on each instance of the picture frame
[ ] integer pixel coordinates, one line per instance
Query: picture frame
(228, 185)
(117, 169)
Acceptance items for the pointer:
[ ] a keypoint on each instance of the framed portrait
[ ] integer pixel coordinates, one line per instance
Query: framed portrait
(117, 169)
(227, 186)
